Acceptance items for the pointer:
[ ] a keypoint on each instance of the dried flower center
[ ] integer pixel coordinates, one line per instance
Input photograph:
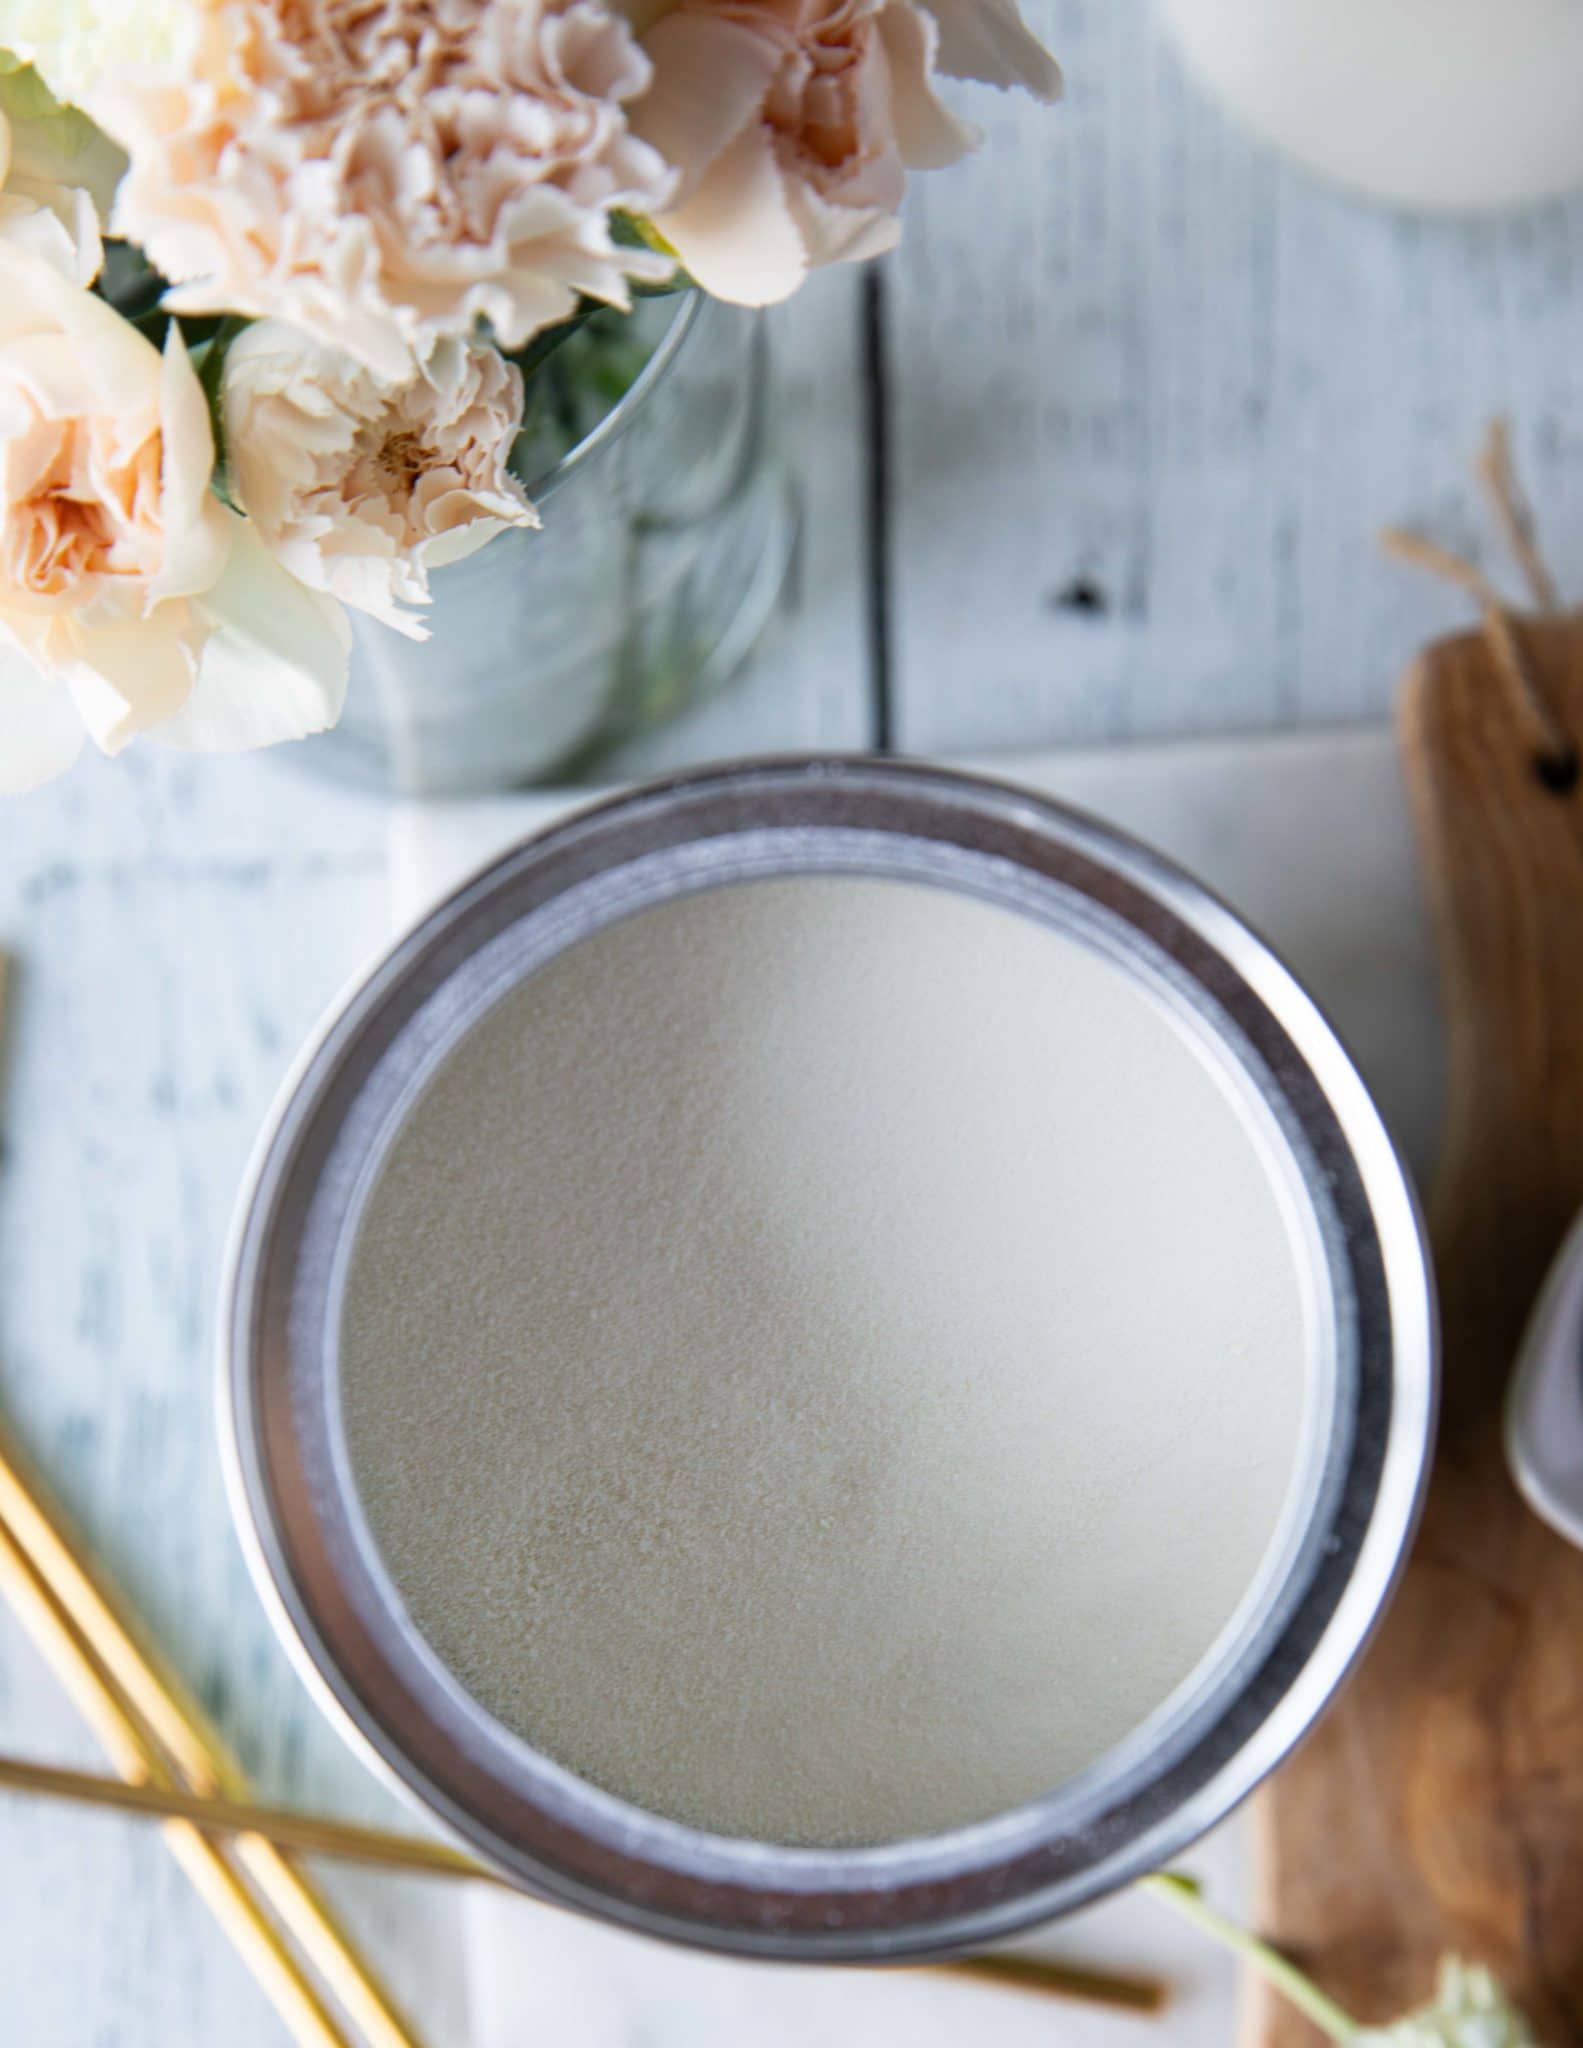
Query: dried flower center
(399, 460)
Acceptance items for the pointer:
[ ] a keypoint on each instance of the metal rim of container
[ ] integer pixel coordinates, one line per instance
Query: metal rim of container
(1137, 1807)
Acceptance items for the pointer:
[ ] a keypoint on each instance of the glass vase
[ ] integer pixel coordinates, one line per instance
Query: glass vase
(668, 529)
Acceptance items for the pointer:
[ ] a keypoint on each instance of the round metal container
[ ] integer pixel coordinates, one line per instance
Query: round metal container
(1142, 1802)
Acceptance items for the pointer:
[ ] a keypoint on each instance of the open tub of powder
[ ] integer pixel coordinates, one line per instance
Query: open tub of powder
(829, 1360)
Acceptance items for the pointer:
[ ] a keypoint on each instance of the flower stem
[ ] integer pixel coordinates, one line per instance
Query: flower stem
(1187, 1899)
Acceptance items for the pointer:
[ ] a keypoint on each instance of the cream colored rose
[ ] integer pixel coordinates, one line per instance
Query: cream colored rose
(58, 174)
(359, 486)
(794, 124)
(126, 587)
(385, 175)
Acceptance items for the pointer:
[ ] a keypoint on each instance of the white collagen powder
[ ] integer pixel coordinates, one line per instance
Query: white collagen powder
(825, 1359)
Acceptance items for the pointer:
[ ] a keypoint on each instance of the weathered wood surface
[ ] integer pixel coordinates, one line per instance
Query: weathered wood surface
(1439, 1808)
(1136, 358)
(1131, 360)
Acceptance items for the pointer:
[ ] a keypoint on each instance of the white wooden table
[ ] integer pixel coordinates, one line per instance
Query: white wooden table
(1115, 430)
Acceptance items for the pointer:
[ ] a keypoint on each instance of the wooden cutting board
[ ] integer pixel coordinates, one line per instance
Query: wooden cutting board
(1440, 1804)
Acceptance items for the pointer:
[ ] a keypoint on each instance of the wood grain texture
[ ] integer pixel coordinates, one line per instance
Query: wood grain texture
(177, 924)
(1140, 363)
(1440, 1806)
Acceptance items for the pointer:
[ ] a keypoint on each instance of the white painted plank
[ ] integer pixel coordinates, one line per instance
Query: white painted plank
(178, 926)
(1129, 346)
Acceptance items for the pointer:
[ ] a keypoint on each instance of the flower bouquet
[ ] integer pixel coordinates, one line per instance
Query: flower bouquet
(278, 279)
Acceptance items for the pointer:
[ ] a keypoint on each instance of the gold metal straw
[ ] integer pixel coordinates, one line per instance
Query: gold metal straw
(221, 1890)
(307, 1834)
(1065, 1980)
(316, 1834)
(196, 1751)
(154, 1734)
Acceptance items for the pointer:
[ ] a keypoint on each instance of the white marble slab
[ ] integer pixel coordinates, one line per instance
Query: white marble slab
(1308, 837)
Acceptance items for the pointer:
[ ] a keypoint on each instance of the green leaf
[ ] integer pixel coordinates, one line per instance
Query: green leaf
(633, 231)
(208, 358)
(56, 142)
(540, 347)
(129, 282)
(637, 231)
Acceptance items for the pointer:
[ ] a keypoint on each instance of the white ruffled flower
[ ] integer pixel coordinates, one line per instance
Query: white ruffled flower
(128, 594)
(794, 124)
(1469, 2010)
(360, 486)
(58, 174)
(385, 175)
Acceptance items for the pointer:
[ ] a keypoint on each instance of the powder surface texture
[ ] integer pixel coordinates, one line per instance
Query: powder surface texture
(824, 1360)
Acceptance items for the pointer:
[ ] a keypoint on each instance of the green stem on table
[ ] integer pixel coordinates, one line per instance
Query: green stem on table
(1186, 1898)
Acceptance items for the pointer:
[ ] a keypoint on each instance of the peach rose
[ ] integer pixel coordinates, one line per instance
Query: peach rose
(794, 124)
(126, 587)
